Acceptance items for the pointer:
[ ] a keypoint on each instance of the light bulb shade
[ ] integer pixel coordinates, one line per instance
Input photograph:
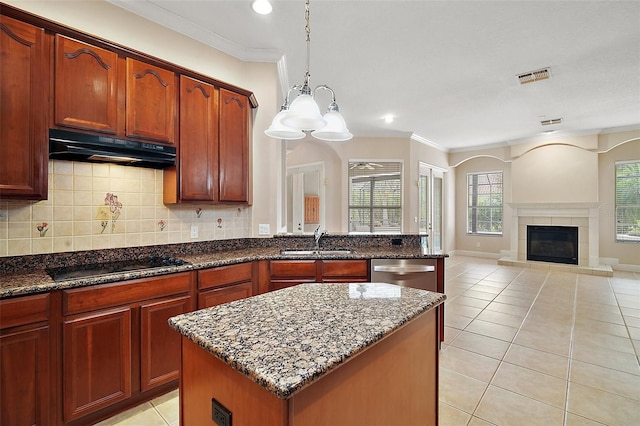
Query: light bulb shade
(278, 130)
(335, 130)
(304, 114)
(263, 7)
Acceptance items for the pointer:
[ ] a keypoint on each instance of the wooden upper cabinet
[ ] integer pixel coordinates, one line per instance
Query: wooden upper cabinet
(233, 147)
(151, 95)
(198, 157)
(25, 67)
(213, 159)
(86, 86)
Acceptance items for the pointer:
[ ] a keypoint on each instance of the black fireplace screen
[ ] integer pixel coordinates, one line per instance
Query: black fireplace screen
(557, 244)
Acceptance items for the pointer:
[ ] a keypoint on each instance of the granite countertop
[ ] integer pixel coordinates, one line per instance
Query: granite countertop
(287, 339)
(36, 280)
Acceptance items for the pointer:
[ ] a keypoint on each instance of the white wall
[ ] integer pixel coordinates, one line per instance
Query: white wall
(575, 169)
(558, 172)
(481, 243)
(337, 155)
(612, 251)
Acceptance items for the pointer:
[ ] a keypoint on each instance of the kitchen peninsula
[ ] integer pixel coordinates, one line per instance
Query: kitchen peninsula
(313, 354)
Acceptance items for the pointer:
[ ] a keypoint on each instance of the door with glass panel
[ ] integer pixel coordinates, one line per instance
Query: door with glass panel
(431, 186)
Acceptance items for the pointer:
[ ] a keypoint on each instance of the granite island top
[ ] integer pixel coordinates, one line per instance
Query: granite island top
(287, 339)
(32, 279)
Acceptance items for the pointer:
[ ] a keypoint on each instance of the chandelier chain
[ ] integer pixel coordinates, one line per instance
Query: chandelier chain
(307, 29)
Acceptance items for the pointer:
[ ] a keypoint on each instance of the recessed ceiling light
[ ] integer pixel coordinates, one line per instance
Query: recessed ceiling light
(388, 118)
(263, 7)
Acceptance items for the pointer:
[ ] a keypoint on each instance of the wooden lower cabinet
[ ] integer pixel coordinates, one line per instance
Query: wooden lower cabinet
(159, 344)
(225, 284)
(25, 361)
(287, 273)
(117, 347)
(24, 356)
(345, 271)
(97, 361)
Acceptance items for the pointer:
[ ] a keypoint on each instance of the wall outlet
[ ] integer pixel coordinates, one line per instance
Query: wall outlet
(194, 231)
(263, 229)
(219, 414)
(478, 245)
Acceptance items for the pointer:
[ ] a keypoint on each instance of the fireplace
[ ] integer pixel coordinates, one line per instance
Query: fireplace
(558, 244)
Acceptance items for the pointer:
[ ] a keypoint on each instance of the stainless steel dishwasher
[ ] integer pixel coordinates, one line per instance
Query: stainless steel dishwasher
(416, 273)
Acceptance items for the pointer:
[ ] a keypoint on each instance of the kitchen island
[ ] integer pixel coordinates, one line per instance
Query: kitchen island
(313, 354)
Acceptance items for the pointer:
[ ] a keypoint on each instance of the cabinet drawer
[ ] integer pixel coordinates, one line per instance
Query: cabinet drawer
(114, 294)
(345, 268)
(225, 275)
(24, 310)
(293, 269)
(222, 295)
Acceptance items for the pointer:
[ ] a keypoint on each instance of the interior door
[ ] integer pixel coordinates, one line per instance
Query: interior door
(431, 187)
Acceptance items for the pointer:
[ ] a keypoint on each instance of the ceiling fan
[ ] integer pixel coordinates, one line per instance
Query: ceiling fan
(364, 165)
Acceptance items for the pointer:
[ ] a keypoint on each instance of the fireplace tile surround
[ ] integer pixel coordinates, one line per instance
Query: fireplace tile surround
(583, 215)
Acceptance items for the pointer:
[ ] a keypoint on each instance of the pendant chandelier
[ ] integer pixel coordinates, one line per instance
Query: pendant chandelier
(302, 115)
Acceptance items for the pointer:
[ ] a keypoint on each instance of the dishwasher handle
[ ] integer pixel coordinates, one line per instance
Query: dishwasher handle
(403, 270)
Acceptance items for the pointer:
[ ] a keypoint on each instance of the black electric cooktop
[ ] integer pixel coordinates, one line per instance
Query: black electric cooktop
(97, 269)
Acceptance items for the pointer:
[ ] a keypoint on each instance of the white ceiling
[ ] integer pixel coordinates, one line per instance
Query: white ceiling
(446, 69)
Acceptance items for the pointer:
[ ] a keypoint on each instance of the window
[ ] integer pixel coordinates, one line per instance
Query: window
(484, 203)
(628, 201)
(375, 197)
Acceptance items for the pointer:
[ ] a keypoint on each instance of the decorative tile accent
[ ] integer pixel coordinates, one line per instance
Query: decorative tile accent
(110, 212)
(42, 228)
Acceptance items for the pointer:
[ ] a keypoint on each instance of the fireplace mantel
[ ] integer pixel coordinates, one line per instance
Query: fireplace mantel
(582, 214)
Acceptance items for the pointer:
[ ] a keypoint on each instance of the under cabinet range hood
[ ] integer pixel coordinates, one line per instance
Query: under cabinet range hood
(76, 146)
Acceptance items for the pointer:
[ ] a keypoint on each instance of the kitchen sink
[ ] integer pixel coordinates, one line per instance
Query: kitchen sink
(326, 252)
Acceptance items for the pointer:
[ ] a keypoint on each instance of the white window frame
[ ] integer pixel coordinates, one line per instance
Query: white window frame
(627, 224)
(371, 227)
(470, 230)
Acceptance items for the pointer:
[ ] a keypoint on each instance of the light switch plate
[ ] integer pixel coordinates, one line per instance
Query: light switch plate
(263, 229)
(194, 231)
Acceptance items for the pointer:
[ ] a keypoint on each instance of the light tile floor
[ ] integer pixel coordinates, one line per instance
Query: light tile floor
(523, 347)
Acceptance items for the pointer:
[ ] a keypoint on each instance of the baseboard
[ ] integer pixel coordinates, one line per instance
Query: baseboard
(614, 263)
(476, 254)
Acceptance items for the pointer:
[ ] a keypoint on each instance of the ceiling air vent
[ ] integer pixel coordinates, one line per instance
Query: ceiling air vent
(530, 77)
(550, 122)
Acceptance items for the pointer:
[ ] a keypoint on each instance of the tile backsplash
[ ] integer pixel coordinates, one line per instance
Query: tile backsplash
(95, 206)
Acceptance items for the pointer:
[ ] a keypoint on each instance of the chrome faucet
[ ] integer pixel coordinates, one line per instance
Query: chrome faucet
(317, 235)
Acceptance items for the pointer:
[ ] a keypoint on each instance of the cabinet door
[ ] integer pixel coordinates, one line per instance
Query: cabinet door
(86, 86)
(234, 147)
(198, 167)
(26, 385)
(222, 295)
(25, 62)
(96, 361)
(159, 343)
(151, 102)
